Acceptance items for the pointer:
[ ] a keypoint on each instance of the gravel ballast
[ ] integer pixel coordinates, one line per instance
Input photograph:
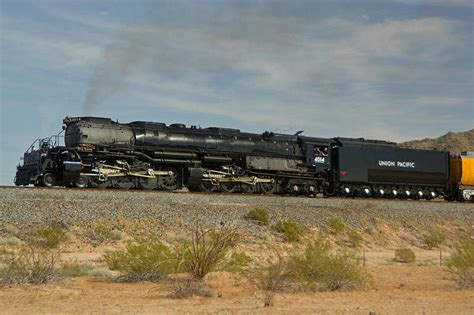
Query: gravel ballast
(42, 206)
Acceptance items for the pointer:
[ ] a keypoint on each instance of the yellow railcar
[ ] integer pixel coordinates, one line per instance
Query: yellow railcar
(462, 175)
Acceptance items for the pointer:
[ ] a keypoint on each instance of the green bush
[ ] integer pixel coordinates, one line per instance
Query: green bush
(461, 264)
(433, 238)
(237, 262)
(292, 231)
(74, 269)
(206, 251)
(404, 255)
(47, 237)
(318, 268)
(145, 259)
(259, 215)
(337, 225)
(28, 265)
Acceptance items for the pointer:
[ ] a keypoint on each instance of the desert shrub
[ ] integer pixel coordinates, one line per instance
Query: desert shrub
(115, 235)
(318, 268)
(270, 279)
(12, 241)
(28, 265)
(433, 238)
(292, 231)
(75, 269)
(237, 262)
(190, 287)
(404, 255)
(100, 232)
(355, 239)
(461, 264)
(145, 259)
(259, 215)
(206, 251)
(10, 229)
(47, 237)
(337, 225)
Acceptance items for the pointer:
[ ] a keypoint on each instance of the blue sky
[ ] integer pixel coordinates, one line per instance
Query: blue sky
(394, 70)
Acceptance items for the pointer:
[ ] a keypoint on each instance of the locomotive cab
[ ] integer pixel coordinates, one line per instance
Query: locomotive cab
(45, 163)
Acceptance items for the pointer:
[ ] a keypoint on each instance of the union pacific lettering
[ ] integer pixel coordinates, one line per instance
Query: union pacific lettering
(397, 164)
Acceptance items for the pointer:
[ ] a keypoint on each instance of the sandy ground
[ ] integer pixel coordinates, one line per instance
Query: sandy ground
(421, 288)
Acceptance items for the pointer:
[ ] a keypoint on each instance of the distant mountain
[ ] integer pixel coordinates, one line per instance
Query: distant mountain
(455, 142)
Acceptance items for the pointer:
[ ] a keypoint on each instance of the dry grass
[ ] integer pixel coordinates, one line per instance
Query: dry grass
(28, 265)
(270, 279)
(258, 215)
(404, 255)
(186, 288)
(461, 264)
(47, 237)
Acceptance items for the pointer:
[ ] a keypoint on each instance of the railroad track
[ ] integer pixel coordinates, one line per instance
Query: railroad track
(184, 191)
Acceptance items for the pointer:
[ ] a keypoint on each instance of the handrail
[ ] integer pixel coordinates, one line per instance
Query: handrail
(49, 142)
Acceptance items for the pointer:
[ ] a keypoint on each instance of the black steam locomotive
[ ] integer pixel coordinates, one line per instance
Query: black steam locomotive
(100, 153)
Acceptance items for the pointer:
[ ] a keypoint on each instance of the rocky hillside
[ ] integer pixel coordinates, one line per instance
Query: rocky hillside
(455, 142)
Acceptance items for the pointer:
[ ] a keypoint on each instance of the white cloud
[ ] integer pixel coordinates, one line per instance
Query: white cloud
(462, 3)
(47, 50)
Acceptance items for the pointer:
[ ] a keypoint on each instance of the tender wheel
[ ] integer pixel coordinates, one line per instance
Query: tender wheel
(123, 183)
(248, 189)
(207, 186)
(48, 180)
(228, 187)
(147, 183)
(170, 182)
(81, 182)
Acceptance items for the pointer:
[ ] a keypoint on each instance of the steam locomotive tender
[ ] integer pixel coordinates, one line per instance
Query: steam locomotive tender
(101, 153)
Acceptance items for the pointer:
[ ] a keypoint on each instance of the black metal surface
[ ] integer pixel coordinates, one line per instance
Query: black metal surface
(369, 164)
